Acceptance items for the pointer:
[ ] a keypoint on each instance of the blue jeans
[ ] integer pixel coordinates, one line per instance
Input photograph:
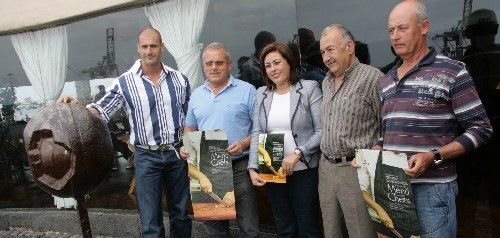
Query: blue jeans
(296, 204)
(247, 215)
(155, 171)
(436, 209)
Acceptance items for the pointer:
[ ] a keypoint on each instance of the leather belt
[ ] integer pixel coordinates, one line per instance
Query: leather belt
(339, 159)
(164, 147)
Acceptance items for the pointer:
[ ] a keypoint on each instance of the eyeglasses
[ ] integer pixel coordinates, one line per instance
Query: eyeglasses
(217, 63)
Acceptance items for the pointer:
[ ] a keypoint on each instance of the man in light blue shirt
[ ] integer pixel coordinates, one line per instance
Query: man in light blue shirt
(229, 109)
(226, 103)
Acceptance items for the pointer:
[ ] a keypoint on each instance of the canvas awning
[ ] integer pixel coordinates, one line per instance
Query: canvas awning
(29, 15)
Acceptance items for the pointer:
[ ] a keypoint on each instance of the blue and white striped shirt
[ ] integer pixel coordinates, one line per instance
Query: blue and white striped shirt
(156, 114)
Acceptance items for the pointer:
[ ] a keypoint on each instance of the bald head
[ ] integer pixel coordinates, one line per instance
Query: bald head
(149, 31)
(414, 7)
(408, 27)
(150, 48)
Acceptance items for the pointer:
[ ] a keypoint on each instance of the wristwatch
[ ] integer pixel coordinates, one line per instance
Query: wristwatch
(438, 159)
(298, 152)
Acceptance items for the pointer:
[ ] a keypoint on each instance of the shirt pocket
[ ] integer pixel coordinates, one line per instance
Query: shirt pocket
(236, 112)
(358, 103)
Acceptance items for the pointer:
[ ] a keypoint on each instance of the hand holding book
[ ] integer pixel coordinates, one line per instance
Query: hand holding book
(265, 156)
(267, 159)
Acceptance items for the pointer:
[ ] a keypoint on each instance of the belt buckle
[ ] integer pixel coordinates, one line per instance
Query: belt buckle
(345, 157)
(163, 147)
(338, 159)
(329, 159)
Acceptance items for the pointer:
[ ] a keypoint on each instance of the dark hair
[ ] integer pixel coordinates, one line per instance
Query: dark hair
(306, 38)
(286, 53)
(262, 39)
(241, 61)
(362, 52)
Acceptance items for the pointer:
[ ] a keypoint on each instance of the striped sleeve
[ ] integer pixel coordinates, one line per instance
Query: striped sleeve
(470, 112)
(110, 102)
(187, 94)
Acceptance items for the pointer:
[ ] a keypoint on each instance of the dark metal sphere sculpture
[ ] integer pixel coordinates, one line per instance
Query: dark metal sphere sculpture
(69, 150)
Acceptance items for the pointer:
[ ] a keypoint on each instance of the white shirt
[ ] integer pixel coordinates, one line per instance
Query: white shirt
(279, 122)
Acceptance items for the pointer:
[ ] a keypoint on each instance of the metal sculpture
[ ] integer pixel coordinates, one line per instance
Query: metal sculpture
(70, 152)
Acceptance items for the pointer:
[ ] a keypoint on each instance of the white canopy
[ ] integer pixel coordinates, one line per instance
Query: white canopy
(29, 15)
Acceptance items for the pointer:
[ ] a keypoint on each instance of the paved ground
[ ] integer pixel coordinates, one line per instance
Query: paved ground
(30, 233)
(50, 222)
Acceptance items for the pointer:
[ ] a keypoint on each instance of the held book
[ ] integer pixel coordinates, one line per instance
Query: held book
(387, 191)
(271, 154)
(211, 173)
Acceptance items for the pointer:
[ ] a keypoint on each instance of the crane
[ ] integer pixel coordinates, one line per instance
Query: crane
(105, 68)
(454, 43)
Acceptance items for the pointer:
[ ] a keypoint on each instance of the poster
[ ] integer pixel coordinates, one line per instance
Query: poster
(211, 175)
(386, 189)
(271, 154)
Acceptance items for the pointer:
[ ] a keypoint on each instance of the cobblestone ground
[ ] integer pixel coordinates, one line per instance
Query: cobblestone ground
(30, 233)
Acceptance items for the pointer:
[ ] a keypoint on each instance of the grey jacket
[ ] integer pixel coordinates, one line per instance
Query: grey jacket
(305, 111)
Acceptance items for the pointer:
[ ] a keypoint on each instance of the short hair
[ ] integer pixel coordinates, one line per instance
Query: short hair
(147, 29)
(345, 33)
(420, 12)
(242, 60)
(285, 52)
(262, 39)
(306, 38)
(217, 46)
(362, 52)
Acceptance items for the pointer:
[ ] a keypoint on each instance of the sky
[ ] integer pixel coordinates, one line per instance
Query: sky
(235, 23)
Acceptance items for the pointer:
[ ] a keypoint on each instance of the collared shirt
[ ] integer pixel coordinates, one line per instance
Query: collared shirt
(429, 107)
(351, 116)
(156, 113)
(230, 110)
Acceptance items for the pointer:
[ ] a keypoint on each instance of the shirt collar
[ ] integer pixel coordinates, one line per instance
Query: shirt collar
(427, 60)
(348, 70)
(231, 82)
(136, 68)
(351, 68)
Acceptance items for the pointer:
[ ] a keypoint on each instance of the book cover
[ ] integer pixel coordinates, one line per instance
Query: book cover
(271, 154)
(211, 173)
(387, 191)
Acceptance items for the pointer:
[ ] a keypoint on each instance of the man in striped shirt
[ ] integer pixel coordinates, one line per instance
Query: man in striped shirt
(431, 111)
(155, 98)
(351, 119)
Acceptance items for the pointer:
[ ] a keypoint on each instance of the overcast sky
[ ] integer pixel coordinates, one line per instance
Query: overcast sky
(236, 22)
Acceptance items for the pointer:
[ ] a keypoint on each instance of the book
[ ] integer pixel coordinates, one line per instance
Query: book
(209, 163)
(383, 181)
(271, 148)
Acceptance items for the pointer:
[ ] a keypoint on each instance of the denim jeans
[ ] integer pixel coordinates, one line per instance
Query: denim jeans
(247, 215)
(295, 204)
(436, 209)
(155, 171)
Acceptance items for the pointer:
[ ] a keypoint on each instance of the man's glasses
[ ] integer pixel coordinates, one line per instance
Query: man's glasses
(217, 63)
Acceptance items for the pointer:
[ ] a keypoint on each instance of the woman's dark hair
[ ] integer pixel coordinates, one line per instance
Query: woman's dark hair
(287, 54)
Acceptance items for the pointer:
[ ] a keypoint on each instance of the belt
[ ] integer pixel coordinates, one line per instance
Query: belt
(164, 147)
(339, 159)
